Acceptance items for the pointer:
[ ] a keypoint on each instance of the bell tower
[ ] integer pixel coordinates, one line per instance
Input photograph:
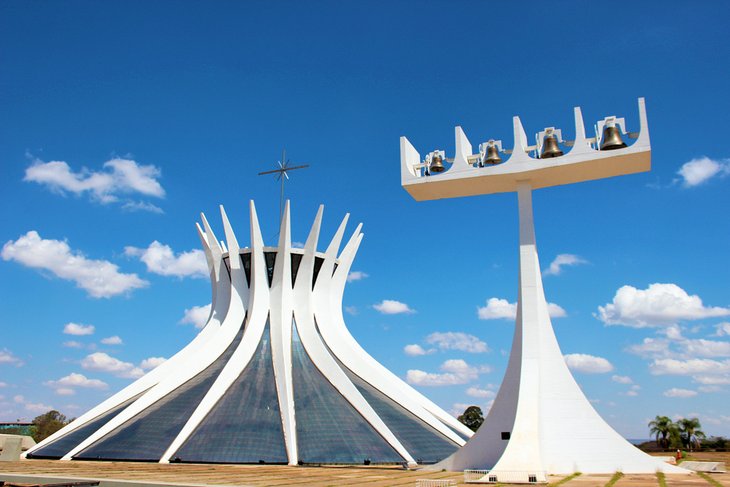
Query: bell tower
(541, 422)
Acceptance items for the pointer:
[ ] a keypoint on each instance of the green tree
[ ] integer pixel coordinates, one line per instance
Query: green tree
(472, 417)
(691, 433)
(661, 426)
(47, 424)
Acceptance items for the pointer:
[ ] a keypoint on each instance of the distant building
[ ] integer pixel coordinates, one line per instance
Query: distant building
(16, 428)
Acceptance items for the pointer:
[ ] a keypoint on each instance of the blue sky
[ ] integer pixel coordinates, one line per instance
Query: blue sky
(123, 120)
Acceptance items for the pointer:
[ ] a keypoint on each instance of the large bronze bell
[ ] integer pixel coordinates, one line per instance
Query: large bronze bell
(611, 139)
(437, 164)
(550, 147)
(492, 155)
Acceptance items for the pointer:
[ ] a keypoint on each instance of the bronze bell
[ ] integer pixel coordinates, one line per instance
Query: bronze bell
(550, 147)
(492, 155)
(437, 164)
(611, 139)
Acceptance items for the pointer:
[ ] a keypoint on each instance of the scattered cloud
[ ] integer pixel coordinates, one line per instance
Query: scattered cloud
(622, 379)
(7, 357)
(563, 260)
(112, 340)
(351, 310)
(73, 344)
(457, 341)
(723, 329)
(65, 386)
(142, 206)
(702, 169)
(33, 407)
(415, 350)
(454, 371)
(501, 309)
(392, 307)
(196, 316)
(160, 259)
(297, 245)
(694, 367)
(99, 278)
(588, 364)
(3, 384)
(151, 363)
(78, 329)
(675, 392)
(101, 362)
(657, 305)
(356, 276)
(119, 179)
(475, 391)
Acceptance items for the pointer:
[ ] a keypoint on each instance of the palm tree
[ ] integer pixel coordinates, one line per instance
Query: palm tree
(691, 432)
(661, 426)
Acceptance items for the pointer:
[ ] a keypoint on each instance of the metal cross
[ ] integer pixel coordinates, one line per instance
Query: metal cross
(281, 173)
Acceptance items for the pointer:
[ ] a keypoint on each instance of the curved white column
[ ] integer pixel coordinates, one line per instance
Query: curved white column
(320, 356)
(255, 324)
(328, 293)
(214, 261)
(193, 364)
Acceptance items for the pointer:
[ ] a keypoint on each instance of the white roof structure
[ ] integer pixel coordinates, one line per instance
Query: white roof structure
(273, 377)
(540, 422)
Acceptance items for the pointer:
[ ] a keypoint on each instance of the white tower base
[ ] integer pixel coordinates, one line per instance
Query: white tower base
(541, 423)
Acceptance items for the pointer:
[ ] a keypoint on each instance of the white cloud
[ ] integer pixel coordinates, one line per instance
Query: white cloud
(73, 344)
(415, 350)
(392, 307)
(3, 384)
(101, 362)
(723, 329)
(160, 259)
(562, 260)
(589, 364)
(151, 363)
(99, 278)
(501, 309)
(297, 245)
(698, 367)
(700, 170)
(196, 316)
(113, 340)
(351, 310)
(457, 341)
(454, 371)
(142, 206)
(78, 329)
(478, 392)
(658, 305)
(675, 392)
(712, 380)
(356, 276)
(33, 407)
(622, 379)
(65, 385)
(120, 177)
(7, 357)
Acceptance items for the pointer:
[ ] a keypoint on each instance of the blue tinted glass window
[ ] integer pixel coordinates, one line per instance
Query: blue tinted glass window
(425, 444)
(147, 435)
(245, 425)
(66, 443)
(329, 429)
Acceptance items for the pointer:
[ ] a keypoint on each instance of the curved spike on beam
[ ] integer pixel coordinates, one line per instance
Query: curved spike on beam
(211, 269)
(239, 286)
(409, 157)
(463, 150)
(259, 275)
(581, 144)
(310, 245)
(334, 245)
(350, 243)
(212, 239)
(519, 150)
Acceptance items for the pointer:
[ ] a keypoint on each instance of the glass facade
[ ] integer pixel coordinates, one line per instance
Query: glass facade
(245, 425)
(146, 436)
(329, 429)
(296, 259)
(270, 258)
(425, 444)
(66, 443)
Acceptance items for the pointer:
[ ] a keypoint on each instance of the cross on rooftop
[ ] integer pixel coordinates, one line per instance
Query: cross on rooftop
(281, 174)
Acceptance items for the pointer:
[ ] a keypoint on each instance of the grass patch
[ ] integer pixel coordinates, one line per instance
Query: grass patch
(662, 479)
(709, 479)
(614, 479)
(564, 480)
